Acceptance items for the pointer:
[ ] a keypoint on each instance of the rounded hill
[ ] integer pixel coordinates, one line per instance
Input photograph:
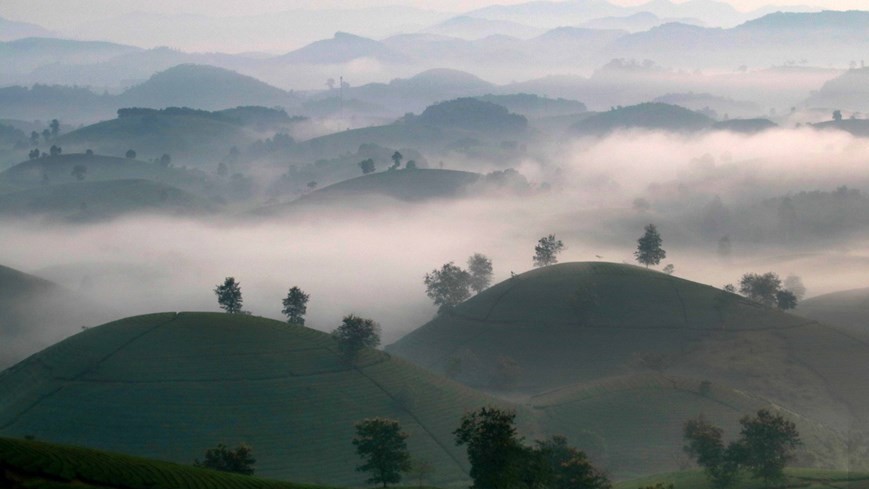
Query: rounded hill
(171, 385)
(847, 309)
(648, 116)
(582, 322)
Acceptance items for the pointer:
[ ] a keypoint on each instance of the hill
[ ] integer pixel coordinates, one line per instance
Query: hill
(648, 116)
(384, 187)
(794, 477)
(188, 136)
(35, 313)
(171, 385)
(100, 200)
(11, 30)
(28, 464)
(747, 126)
(341, 48)
(24, 55)
(535, 106)
(847, 91)
(466, 27)
(473, 115)
(582, 322)
(204, 87)
(847, 309)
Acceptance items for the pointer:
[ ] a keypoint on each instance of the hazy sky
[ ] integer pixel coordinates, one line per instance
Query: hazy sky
(54, 13)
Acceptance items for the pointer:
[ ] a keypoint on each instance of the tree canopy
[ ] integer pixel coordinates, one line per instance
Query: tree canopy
(295, 306)
(383, 446)
(239, 460)
(480, 268)
(767, 290)
(649, 251)
(229, 296)
(448, 286)
(546, 251)
(356, 333)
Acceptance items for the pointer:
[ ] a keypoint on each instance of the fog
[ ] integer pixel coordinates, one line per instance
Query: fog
(371, 261)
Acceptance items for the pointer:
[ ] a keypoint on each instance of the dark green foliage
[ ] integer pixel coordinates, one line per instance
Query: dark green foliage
(546, 250)
(130, 154)
(295, 306)
(568, 467)
(494, 448)
(229, 296)
(354, 334)
(652, 116)
(472, 114)
(367, 166)
(480, 268)
(381, 443)
(649, 251)
(33, 154)
(768, 442)
(448, 286)
(239, 460)
(55, 150)
(396, 160)
(785, 300)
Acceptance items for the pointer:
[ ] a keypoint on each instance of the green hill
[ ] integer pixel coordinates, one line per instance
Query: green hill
(847, 309)
(188, 136)
(171, 385)
(58, 169)
(385, 187)
(39, 465)
(98, 200)
(582, 322)
(35, 313)
(648, 116)
(794, 477)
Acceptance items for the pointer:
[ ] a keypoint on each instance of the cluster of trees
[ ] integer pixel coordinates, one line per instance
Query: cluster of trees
(237, 460)
(367, 165)
(354, 333)
(768, 290)
(451, 285)
(766, 444)
(498, 456)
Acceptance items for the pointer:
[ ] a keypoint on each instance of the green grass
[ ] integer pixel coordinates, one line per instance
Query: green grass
(171, 385)
(39, 465)
(848, 309)
(98, 200)
(794, 478)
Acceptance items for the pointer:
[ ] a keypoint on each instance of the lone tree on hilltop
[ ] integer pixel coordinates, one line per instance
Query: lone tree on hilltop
(367, 166)
(239, 460)
(546, 250)
(354, 334)
(383, 446)
(480, 268)
(295, 306)
(448, 287)
(229, 296)
(396, 160)
(130, 154)
(649, 251)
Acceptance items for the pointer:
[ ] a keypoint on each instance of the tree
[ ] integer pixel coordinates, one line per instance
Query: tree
(79, 172)
(396, 160)
(34, 138)
(448, 286)
(785, 300)
(649, 251)
(382, 444)
(239, 461)
(705, 445)
(54, 126)
(165, 160)
(546, 250)
(354, 334)
(46, 135)
(480, 268)
(794, 284)
(130, 154)
(669, 269)
(295, 306)
(760, 288)
(55, 150)
(837, 115)
(495, 450)
(568, 467)
(367, 166)
(229, 296)
(768, 442)
(33, 154)
(410, 165)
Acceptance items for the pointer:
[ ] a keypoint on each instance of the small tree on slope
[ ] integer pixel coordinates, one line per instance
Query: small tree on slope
(649, 251)
(381, 443)
(295, 306)
(229, 296)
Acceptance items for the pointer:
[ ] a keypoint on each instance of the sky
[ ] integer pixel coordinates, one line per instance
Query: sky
(54, 14)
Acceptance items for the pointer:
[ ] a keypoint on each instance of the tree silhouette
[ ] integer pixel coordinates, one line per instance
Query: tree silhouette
(546, 250)
(238, 461)
(229, 296)
(448, 286)
(649, 251)
(367, 166)
(383, 446)
(295, 306)
(354, 334)
(130, 154)
(480, 268)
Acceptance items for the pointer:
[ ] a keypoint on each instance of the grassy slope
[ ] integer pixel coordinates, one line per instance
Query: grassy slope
(39, 465)
(847, 309)
(89, 201)
(650, 116)
(58, 169)
(584, 322)
(404, 185)
(188, 139)
(795, 477)
(171, 385)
